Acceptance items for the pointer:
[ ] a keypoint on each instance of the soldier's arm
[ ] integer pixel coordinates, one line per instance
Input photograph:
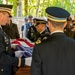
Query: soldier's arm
(6, 58)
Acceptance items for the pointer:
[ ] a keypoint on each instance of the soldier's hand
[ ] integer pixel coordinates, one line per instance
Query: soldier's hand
(28, 61)
(19, 54)
(13, 46)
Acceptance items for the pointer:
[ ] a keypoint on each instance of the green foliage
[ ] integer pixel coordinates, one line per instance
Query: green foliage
(1, 1)
(15, 4)
(37, 7)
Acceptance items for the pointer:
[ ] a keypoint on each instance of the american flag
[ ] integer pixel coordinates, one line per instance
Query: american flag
(24, 45)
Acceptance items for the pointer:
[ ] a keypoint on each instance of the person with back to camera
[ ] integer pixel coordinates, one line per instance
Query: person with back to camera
(56, 55)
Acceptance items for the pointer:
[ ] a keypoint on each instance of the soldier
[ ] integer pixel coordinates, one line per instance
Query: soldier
(42, 29)
(56, 55)
(11, 29)
(32, 33)
(8, 58)
(69, 30)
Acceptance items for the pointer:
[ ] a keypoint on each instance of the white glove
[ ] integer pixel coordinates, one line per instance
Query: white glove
(13, 46)
(19, 54)
(28, 61)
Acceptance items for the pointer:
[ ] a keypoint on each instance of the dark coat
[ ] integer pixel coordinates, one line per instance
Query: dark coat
(7, 59)
(11, 30)
(42, 36)
(32, 33)
(55, 56)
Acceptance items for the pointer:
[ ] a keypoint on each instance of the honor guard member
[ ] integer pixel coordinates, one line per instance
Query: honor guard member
(69, 30)
(8, 58)
(40, 24)
(56, 55)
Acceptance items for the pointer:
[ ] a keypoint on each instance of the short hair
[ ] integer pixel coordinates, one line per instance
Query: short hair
(56, 24)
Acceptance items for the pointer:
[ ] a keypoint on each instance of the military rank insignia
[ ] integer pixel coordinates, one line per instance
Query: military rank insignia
(6, 40)
(32, 34)
(6, 48)
(38, 42)
(44, 38)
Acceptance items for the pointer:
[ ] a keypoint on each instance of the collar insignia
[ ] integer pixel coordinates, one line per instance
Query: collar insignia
(44, 38)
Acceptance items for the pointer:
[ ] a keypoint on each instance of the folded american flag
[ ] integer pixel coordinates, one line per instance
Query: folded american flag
(24, 45)
(27, 50)
(23, 42)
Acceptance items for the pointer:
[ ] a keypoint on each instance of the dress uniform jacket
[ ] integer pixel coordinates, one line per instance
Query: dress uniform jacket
(32, 33)
(7, 59)
(42, 36)
(11, 30)
(55, 56)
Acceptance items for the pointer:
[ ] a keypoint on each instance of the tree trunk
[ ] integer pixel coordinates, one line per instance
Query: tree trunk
(6, 1)
(20, 8)
(26, 7)
(37, 10)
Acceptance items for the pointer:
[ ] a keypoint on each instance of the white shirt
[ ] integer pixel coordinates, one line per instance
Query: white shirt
(57, 31)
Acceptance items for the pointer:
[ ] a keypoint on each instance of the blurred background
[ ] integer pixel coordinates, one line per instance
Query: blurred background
(37, 7)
